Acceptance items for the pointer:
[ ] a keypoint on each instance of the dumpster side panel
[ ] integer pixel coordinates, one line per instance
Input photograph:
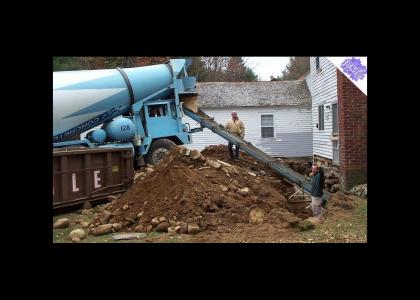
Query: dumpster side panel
(81, 175)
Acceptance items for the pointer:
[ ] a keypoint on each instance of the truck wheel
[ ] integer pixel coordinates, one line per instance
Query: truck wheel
(158, 150)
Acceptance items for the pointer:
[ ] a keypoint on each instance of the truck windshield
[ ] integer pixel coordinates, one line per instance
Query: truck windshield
(157, 110)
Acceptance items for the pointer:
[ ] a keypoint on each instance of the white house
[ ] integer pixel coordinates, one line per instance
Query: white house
(322, 83)
(276, 115)
(339, 122)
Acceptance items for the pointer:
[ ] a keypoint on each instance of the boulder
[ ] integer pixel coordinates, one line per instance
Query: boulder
(195, 154)
(61, 223)
(102, 229)
(87, 212)
(193, 228)
(77, 233)
(162, 219)
(87, 205)
(105, 216)
(290, 218)
(155, 221)
(256, 215)
(111, 198)
(173, 229)
(162, 227)
(139, 228)
(117, 226)
(183, 228)
(84, 224)
(331, 181)
(244, 191)
(214, 164)
(305, 225)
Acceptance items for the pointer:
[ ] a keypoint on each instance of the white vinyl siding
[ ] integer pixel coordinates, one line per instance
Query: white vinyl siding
(323, 87)
(292, 130)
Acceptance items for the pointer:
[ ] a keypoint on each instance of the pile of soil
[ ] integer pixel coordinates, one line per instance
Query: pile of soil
(187, 186)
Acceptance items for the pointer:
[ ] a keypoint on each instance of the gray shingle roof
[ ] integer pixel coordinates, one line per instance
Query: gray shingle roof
(253, 94)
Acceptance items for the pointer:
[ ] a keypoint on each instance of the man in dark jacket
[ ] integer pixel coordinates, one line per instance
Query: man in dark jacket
(318, 181)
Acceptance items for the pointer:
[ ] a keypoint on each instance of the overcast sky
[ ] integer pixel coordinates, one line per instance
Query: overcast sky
(265, 66)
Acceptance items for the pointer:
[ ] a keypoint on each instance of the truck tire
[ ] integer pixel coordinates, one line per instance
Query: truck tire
(158, 150)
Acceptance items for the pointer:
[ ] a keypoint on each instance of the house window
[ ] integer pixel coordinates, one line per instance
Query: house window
(267, 126)
(335, 118)
(320, 117)
(317, 62)
(336, 159)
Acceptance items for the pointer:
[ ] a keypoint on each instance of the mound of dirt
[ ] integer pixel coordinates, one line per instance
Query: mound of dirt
(188, 187)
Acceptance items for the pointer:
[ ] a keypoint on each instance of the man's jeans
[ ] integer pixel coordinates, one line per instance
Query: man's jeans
(231, 151)
(317, 209)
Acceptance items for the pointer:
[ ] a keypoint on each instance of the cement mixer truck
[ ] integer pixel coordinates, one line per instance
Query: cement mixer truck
(140, 108)
(137, 110)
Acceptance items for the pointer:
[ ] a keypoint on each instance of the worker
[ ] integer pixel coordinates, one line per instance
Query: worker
(318, 181)
(153, 112)
(236, 127)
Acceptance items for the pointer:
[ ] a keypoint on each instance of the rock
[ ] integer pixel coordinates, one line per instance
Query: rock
(149, 170)
(139, 228)
(360, 190)
(117, 226)
(172, 223)
(102, 229)
(193, 228)
(232, 187)
(202, 158)
(214, 164)
(77, 233)
(111, 198)
(223, 188)
(162, 227)
(84, 224)
(314, 220)
(256, 215)
(87, 205)
(149, 228)
(263, 193)
(139, 215)
(75, 240)
(125, 207)
(195, 154)
(290, 218)
(87, 212)
(91, 226)
(155, 221)
(244, 191)
(105, 216)
(178, 223)
(331, 181)
(305, 225)
(254, 198)
(61, 223)
(132, 221)
(162, 219)
(183, 228)
(137, 176)
(335, 188)
(173, 229)
(128, 236)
